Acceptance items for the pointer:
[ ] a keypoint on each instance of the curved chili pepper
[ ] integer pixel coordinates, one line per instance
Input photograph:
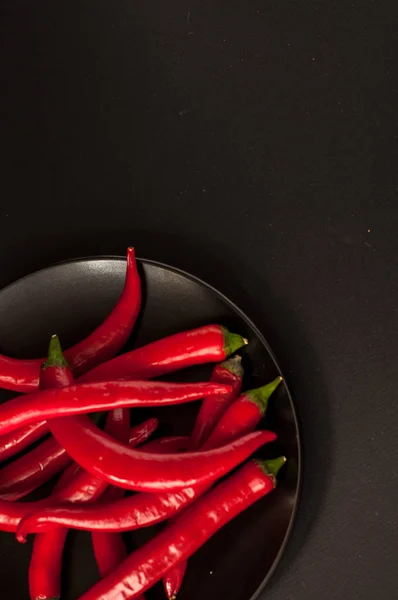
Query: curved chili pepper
(144, 567)
(231, 373)
(84, 486)
(95, 397)
(165, 445)
(101, 345)
(145, 472)
(27, 473)
(46, 560)
(16, 441)
(109, 548)
(31, 470)
(125, 514)
(211, 343)
(75, 485)
(241, 417)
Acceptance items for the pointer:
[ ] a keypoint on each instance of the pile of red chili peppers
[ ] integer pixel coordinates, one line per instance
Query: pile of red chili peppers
(175, 478)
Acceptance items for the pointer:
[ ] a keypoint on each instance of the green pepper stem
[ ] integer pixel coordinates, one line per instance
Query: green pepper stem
(272, 466)
(55, 357)
(232, 341)
(233, 365)
(261, 395)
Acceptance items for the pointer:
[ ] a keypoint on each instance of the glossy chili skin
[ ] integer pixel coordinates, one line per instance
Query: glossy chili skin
(144, 567)
(84, 486)
(101, 345)
(16, 441)
(125, 514)
(174, 579)
(31, 470)
(75, 485)
(46, 561)
(229, 372)
(212, 343)
(165, 445)
(145, 472)
(241, 417)
(46, 558)
(97, 397)
(109, 548)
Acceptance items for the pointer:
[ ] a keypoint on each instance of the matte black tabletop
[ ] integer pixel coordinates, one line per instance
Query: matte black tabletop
(254, 144)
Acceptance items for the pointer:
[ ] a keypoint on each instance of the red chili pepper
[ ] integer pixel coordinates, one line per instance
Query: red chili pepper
(145, 472)
(165, 445)
(174, 579)
(211, 343)
(241, 417)
(109, 548)
(96, 397)
(16, 441)
(76, 485)
(231, 373)
(28, 472)
(101, 345)
(46, 559)
(144, 567)
(126, 514)
(84, 486)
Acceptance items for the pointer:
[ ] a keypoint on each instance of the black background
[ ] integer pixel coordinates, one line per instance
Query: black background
(253, 143)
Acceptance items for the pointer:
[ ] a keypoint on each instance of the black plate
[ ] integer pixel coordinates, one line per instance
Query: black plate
(71, 299)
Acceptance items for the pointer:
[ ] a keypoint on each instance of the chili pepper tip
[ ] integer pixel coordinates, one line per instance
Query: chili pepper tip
(55, 356)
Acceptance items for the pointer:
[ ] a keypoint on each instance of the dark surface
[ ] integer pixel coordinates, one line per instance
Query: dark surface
(72, 299)
(255, 145)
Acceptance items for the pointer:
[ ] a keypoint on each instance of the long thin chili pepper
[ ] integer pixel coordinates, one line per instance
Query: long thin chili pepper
(31, 470)
(16, 441)
(75, 485)
(101, 345)
(36, 467)
(84, 486)
(145, 472)
(96, 397)
(212, 343)
(144, 567)
(165, 445)
(109, 548)
(241, 417)
(46, 559)
(231, 373)
(127, 514)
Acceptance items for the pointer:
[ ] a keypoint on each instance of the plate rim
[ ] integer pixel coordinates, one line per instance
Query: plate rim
(249, 322)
